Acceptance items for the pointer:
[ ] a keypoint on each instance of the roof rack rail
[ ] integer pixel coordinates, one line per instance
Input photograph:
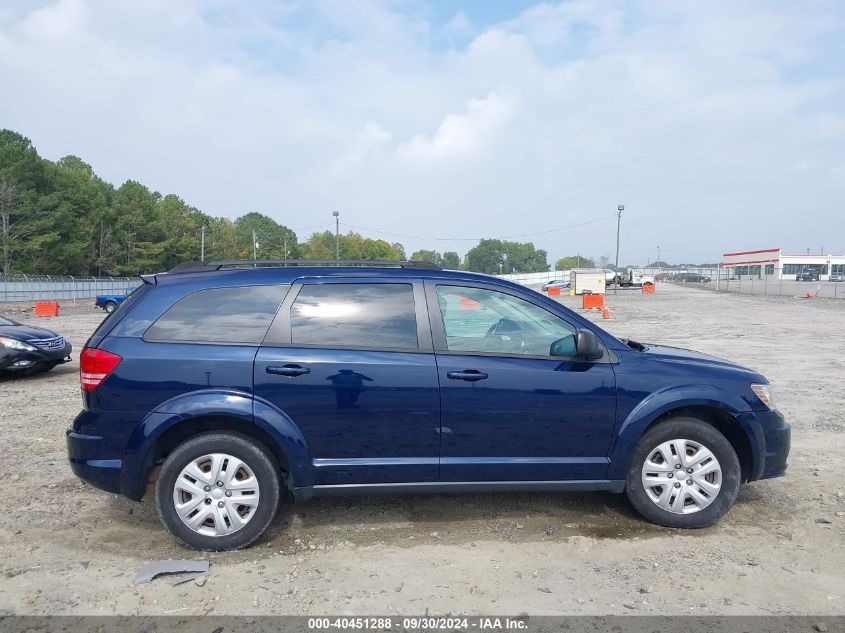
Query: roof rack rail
(208, 266)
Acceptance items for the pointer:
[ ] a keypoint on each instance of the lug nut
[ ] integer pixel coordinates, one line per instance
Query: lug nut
(670, 475)
(220, 504)
(207, 501)
(228, 493)
(207, 488)
(677, 466)
(219, 484)
(689, 470)
(677, 484)
(689, 482)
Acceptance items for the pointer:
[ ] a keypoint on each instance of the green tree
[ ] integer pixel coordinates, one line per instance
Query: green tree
(22, 183)
(274, 240)
(427, 256)
(451, 260)
(500, 256)
(574, 261)
(352, 246)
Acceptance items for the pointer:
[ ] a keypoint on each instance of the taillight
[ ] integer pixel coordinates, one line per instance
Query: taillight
(95, 365)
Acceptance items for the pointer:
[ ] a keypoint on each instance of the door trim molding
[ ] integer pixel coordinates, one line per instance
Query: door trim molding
(459, 487)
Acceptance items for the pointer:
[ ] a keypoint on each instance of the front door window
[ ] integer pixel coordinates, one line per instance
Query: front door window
(479, 320)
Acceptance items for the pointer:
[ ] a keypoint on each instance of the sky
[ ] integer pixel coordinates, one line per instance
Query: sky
(719, 125)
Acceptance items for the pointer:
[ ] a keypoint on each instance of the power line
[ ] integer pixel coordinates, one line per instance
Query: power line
(474, 239)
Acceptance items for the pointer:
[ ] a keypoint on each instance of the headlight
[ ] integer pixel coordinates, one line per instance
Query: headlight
(764, 392)
(11, 343)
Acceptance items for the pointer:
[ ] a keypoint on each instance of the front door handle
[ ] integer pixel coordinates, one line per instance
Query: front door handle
(288, 370)
(471, 375)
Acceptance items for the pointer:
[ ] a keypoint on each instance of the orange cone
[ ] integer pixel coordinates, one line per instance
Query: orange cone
(606, 313)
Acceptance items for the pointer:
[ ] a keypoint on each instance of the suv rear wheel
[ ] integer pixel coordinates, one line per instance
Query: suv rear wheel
(684, 474)
(218, 491)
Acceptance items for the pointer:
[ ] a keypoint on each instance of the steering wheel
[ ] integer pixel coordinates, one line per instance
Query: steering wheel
(502, 327)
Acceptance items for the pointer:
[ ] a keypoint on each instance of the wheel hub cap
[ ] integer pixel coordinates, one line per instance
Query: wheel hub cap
(678, 490)
(216, 494)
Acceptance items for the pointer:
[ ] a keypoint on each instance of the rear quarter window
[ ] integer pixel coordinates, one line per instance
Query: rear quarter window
(219, 315)
(115, 317)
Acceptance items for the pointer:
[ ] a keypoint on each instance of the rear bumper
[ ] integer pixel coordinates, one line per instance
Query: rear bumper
(85, 454)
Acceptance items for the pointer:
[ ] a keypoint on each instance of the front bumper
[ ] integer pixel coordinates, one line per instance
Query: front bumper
(15, 360)
(778, 436)
(770, 438)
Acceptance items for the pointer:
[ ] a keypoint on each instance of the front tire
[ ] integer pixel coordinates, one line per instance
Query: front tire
(218, 491)
(684, 474)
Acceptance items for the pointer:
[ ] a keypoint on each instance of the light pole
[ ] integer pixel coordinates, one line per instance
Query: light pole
(254, 246)
(620, 209)
(336, 215)
(202, 243)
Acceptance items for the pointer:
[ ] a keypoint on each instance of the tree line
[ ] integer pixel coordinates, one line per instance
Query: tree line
(60, 218)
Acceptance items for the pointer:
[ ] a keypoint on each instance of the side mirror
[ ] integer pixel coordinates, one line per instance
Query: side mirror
(587, 346)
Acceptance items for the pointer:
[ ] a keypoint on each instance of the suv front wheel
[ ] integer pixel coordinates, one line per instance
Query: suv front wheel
(218, 491)
(684, 474)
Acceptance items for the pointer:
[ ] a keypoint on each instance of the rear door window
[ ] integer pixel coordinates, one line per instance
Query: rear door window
(364, 315)
(219, 315)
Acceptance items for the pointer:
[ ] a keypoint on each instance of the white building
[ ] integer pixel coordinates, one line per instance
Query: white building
(773, 263)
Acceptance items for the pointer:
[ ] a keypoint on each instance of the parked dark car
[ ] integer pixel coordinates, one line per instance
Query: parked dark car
(692, 278)
(26, 348)
(807, 274)
(109, 303)
(235, 388)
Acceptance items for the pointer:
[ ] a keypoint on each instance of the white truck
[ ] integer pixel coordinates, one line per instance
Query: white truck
(633, 278)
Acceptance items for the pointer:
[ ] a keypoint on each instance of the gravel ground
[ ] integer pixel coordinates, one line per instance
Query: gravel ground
(66, 548)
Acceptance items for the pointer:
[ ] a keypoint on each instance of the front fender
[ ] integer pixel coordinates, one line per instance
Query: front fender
(660, 402)
(218, 403)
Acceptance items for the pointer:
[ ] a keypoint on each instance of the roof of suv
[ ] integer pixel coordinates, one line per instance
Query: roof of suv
(233, 272)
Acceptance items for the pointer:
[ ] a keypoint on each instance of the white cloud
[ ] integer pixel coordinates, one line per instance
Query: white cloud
(461, 135)
(694, 115)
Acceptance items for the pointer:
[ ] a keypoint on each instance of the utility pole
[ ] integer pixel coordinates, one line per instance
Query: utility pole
(202, 243)
(286, 245)
(254, 246)
(620, 209)
(336, 215)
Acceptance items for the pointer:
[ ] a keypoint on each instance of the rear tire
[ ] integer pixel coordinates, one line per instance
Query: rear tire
(110, 307)
(211, 516)
(697, 494)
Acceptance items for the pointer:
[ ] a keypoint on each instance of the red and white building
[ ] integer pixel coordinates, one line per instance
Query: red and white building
(773, 263)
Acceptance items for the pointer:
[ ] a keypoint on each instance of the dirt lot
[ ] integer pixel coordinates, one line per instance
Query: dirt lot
(66, 548)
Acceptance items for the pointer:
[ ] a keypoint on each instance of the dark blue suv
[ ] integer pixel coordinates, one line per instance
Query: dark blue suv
(230, 386)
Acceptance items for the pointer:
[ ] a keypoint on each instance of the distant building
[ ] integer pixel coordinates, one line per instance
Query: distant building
(773, 263)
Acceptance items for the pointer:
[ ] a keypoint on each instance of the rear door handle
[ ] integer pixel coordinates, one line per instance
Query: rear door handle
(288, 370)
(471, 375)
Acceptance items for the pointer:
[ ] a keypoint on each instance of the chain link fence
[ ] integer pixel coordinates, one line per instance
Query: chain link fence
(30, 288)
(787, 281)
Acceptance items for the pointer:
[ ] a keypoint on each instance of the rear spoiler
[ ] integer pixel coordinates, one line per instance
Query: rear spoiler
(149, 279)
